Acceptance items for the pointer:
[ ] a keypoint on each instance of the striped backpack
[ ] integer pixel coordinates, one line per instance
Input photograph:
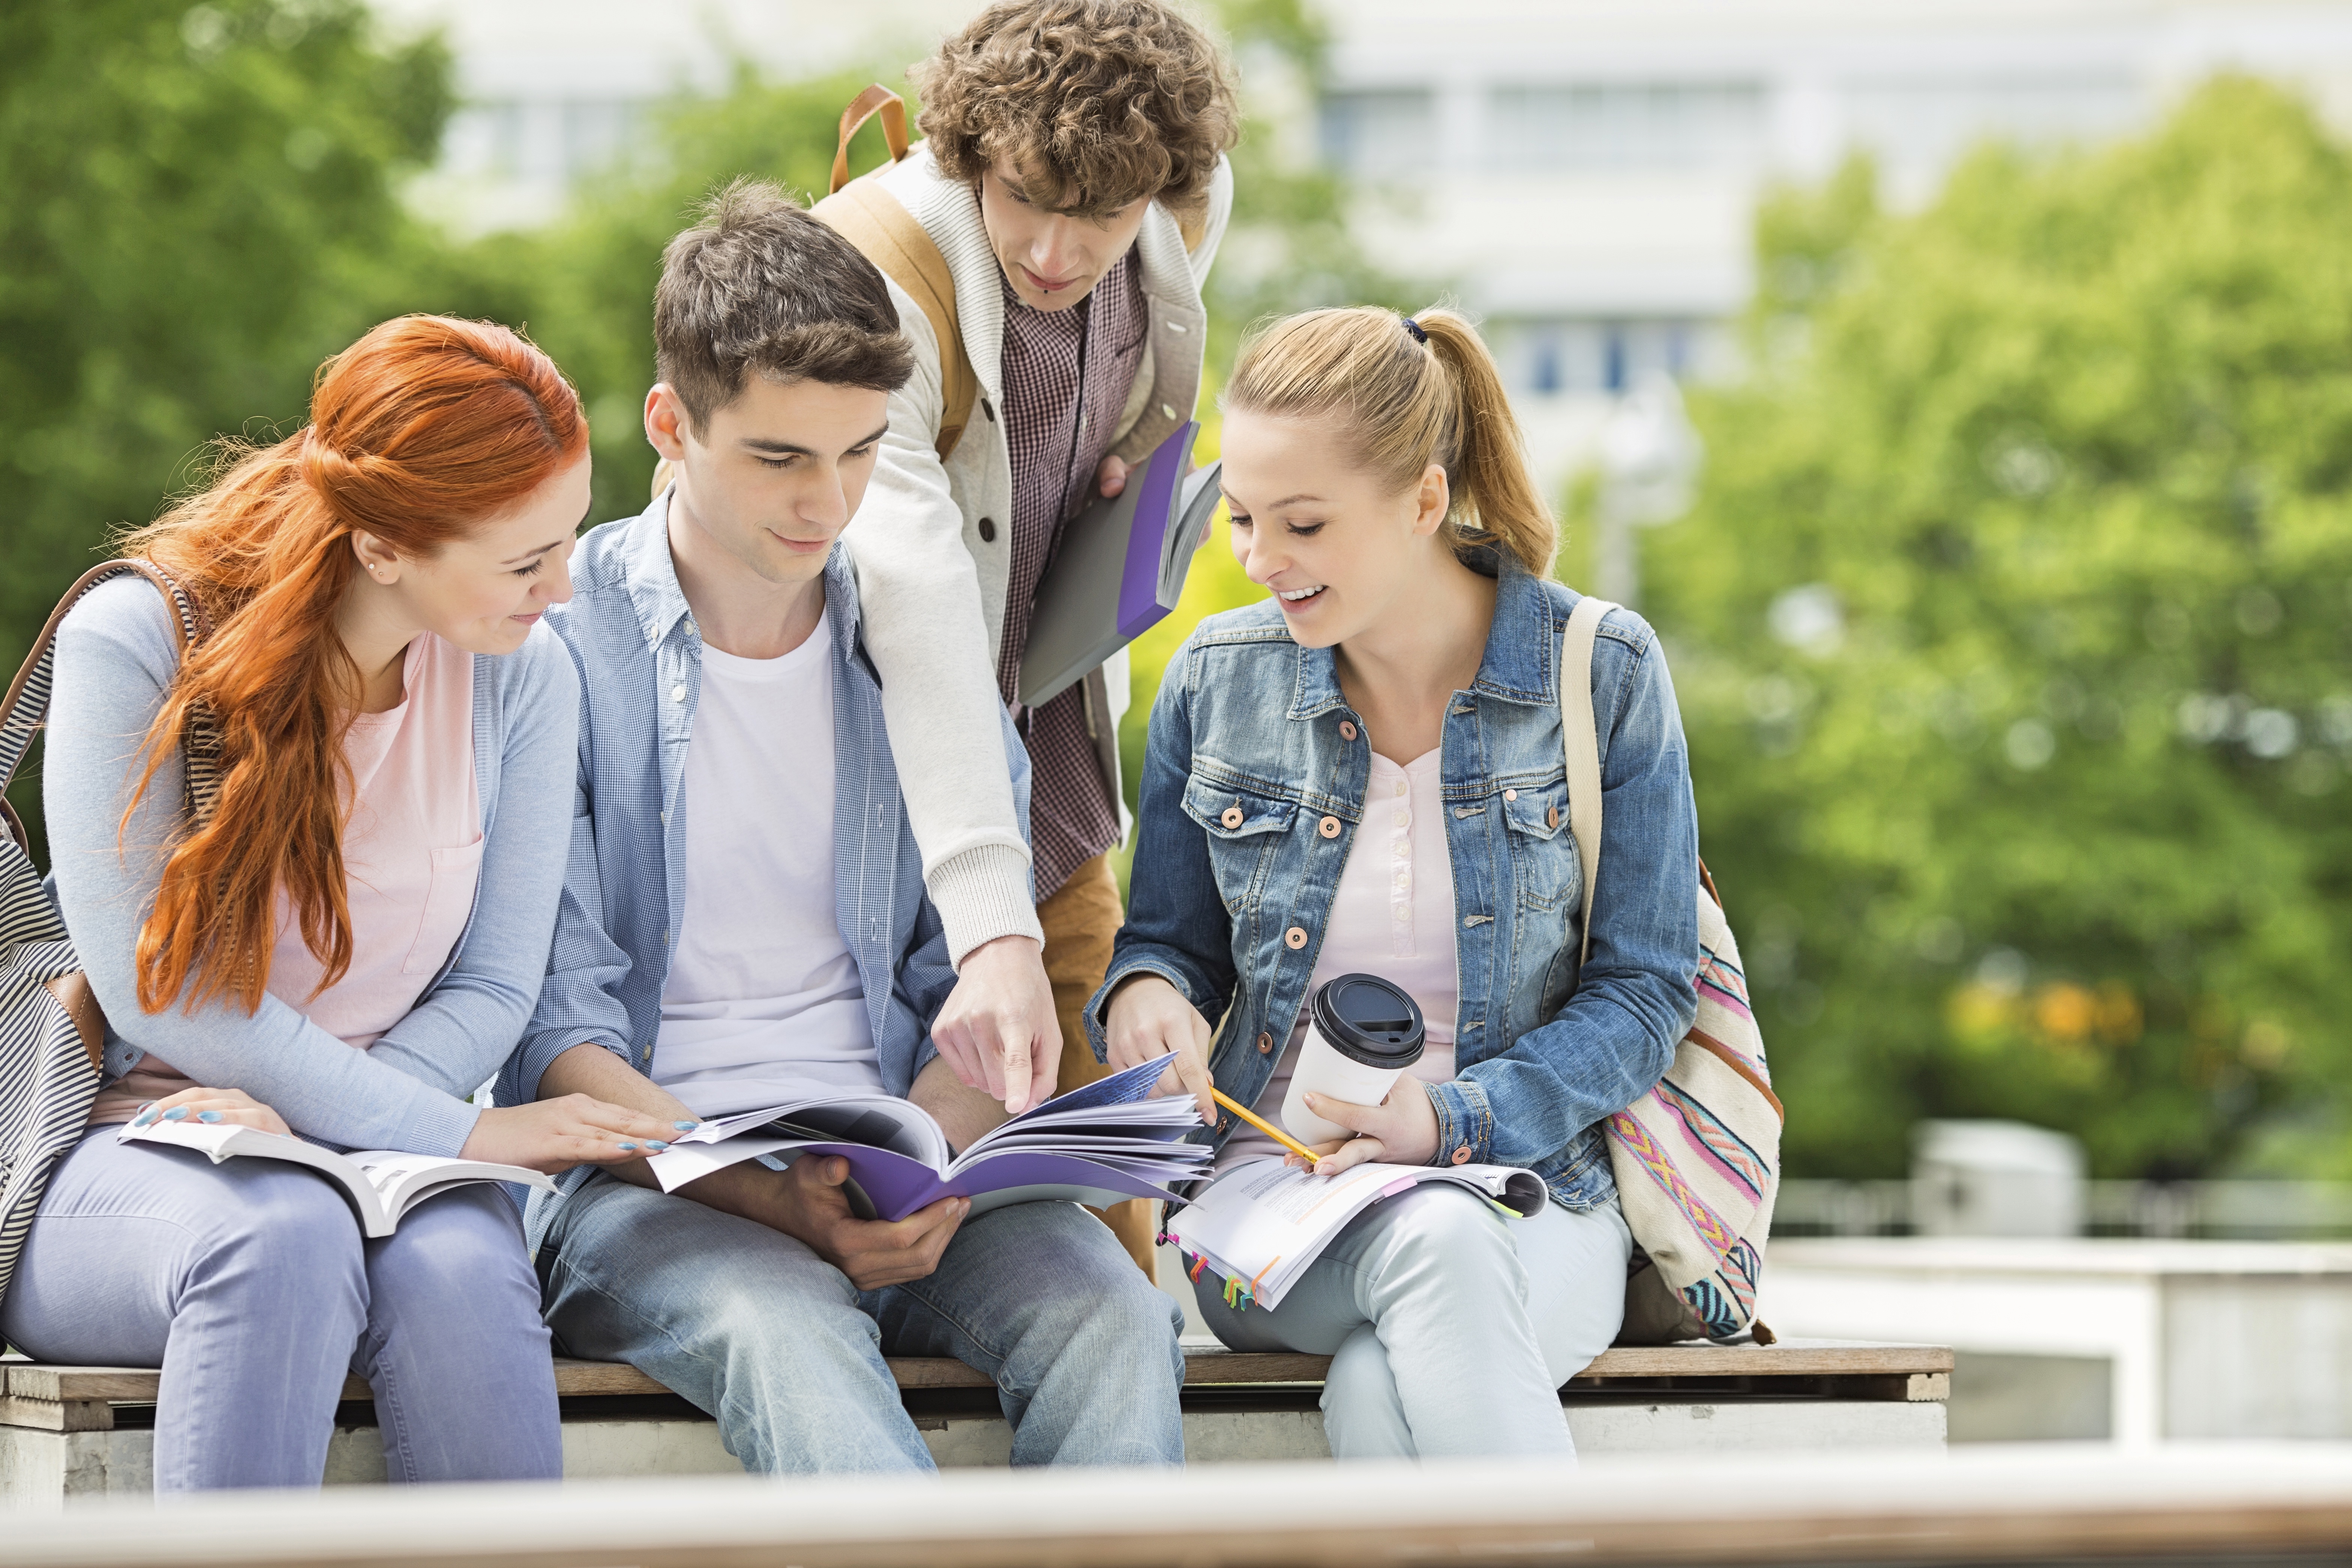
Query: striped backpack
(52, 1034)
(1697, 1159)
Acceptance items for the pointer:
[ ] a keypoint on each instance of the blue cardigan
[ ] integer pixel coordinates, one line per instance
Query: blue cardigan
(116, 657)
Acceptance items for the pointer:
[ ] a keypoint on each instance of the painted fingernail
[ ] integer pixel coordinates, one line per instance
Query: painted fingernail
(208, 1116)
(627, 1145)
(685, 1126)
(656, 1144)
(176, 1113)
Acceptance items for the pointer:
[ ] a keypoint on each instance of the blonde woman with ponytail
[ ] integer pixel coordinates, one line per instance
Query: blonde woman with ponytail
(1364, 775)
(348, 944)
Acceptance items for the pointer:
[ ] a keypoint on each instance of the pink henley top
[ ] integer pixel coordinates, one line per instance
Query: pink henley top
(1392, 915)
(411, 853)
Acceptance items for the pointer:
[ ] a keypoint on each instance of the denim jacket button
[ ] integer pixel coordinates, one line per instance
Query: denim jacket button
(1295, 938)
(1510, 794)
(1347, 729)
(1233, 816)
(1329, 826)
(1265, 1045)
(1462, 1156)
(1551, 817)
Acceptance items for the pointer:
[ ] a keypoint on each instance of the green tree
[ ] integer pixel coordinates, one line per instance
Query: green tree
(196, 206)
(2012, 631)
(585, 285)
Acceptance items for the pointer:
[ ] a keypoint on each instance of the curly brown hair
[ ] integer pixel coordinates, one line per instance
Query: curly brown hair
(1097, 103)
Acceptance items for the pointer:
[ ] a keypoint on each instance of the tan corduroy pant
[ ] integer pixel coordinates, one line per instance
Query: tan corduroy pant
(1079, 921)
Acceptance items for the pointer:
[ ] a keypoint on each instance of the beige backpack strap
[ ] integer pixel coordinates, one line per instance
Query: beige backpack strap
(1581, 737)
(875, 99)
(875, 221)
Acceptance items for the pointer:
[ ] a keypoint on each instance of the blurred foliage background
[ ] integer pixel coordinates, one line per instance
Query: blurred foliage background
(2011, 620)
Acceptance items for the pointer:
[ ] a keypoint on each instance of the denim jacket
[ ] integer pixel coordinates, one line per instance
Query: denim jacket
(1232, 916)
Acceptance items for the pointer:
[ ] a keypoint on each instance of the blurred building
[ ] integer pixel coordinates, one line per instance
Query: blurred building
(1587, 171)
(1583, 173)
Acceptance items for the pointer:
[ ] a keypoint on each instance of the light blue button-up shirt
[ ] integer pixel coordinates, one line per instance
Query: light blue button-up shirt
(633, 640)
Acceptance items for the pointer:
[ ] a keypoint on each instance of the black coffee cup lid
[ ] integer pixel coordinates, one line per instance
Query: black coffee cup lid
(1367, 1020)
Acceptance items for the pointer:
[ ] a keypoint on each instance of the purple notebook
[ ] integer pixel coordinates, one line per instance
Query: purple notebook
(1120, 568)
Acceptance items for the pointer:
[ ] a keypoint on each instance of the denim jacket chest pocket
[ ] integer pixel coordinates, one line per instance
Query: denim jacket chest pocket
(1546, 875)
(1245, 828)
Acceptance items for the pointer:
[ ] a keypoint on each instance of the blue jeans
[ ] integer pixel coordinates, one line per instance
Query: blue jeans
(1450, 1329)
(756, 1329)
(250, 1285)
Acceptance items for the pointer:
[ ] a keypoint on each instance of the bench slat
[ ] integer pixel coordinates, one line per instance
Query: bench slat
(1918, 1364)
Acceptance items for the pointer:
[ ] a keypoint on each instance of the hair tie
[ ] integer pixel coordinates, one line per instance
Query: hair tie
(1413, 327)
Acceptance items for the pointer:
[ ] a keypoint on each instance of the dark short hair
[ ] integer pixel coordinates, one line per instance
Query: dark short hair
(759, 285)
(1097, 103)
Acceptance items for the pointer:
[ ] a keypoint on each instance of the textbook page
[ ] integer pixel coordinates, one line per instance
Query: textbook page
(1099, 1143)
(380, 1185)
(1264, 1221)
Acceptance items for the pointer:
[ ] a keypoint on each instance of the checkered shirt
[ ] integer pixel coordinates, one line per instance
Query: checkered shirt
(1066, 378)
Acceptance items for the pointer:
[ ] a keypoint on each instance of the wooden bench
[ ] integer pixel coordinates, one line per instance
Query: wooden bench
(77, 1431)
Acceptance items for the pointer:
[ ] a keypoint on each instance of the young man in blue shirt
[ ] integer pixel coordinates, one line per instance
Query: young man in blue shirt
(717, 947)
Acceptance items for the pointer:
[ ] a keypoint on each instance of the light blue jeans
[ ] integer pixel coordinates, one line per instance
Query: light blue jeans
(1449, 1328)
(757, 1329)
(250, 1285)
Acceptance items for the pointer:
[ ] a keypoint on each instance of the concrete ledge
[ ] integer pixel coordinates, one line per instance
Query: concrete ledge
(2233, 1504)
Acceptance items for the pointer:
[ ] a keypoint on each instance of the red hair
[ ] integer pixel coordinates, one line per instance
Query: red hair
(418, 432)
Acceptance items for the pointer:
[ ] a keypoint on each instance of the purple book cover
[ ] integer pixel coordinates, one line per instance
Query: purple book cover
(1140, 608)
(898, 1185)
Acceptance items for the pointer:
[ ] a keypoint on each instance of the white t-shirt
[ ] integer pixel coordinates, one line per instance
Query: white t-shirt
(1392, 915)
(763, 998)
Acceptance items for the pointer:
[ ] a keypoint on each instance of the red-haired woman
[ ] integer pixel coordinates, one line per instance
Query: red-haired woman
(349, 945)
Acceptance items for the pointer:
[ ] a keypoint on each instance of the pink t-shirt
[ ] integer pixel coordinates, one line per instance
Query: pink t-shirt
(411, 854)
(1392, 915)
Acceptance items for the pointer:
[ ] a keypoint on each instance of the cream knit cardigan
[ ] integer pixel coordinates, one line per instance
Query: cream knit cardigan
(932, 590)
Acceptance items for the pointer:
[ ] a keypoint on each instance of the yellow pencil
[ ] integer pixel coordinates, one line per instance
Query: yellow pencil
(1268, 1128)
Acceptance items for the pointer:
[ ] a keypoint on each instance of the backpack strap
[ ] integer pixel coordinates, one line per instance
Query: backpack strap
(27, 707)
(1580, 738)
(879, 225)
(870, 217)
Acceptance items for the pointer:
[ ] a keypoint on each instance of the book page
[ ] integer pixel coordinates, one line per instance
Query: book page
(227, 1140)
(1266, 1222)
(402, 1181)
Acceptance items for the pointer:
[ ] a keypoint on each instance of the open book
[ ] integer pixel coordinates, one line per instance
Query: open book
(1262, 1223)
(381, 1185)
(1118, 568)
(1101, 1144)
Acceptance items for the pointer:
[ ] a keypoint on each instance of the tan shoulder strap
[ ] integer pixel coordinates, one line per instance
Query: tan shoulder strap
(1581, 737)
(1193, 226)
(879, 226)
(875, 99)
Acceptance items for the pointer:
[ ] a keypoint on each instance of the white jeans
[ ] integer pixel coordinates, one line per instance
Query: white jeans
(1449, 1328)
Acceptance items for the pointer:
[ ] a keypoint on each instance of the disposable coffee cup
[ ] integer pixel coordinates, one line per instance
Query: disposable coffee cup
(1362, 1032)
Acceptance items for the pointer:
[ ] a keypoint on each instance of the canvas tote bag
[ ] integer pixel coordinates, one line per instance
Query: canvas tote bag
(51, 1031)
(1697, 1159)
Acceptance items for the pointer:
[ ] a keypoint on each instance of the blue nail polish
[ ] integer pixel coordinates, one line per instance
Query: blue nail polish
(142, 1119)
(685, 1126)
(629, 1147)
(208, 1116)
(656, 1144)
(176, 1113)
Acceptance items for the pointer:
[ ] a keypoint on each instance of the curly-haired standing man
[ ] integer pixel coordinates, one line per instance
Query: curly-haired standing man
(1074, 179)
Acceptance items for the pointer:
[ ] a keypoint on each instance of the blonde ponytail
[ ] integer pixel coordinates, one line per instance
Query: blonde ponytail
(1408, 394)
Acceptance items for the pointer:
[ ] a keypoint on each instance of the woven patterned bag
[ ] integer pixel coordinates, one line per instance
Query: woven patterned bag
(1697, 1159)
(51, 1031)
